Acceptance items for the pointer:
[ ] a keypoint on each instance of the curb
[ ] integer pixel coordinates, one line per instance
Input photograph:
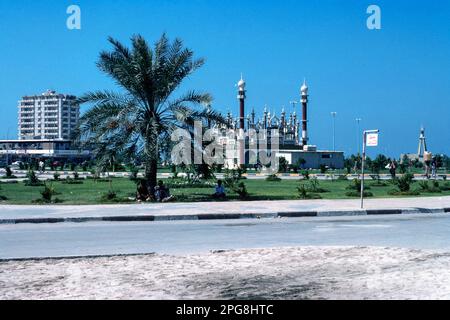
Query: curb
(227, 216)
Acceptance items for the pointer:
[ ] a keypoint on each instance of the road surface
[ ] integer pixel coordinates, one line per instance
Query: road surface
(419, 231)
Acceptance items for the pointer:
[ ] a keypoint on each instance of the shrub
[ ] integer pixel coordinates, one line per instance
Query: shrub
(32, 180)
(110, 195)
(404, 182)
(356, 186)
(273, 177)
(69, 180)
(237, 187)
(305, 174)
(434, 188)
(445, 186)
(56, 176)
(241, 190)
(314, 186)
(323, 168)
(76, 175)
(376, 181)
(283, 164)
(395, 192)
(358, 194)
(48, 193)
(304, 192)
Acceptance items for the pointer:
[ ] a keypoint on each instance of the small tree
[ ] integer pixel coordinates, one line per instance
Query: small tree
(48, 193)
(9, 173)
(283, 165)
(32, 179)
(323, 168)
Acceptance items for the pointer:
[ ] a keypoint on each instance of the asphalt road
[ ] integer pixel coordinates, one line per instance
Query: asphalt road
(69, 239)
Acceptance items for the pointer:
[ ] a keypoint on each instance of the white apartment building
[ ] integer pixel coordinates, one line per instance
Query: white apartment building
(49, 116)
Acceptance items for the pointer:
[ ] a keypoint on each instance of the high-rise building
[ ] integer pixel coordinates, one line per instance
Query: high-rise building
(49, 116)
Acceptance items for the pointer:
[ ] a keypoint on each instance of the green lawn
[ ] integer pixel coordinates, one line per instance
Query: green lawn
(90, 192)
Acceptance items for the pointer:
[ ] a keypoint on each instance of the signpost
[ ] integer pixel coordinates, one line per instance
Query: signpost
(370, 139)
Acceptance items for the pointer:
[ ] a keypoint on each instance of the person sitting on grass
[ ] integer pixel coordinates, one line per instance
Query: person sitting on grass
(142, 193)
(220, 191)
(162, 193)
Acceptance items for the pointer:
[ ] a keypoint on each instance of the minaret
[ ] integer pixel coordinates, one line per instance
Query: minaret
(422, 143)
(241, 135)
(241, 98)
(253, 116)
(304, 100)
(265, 118)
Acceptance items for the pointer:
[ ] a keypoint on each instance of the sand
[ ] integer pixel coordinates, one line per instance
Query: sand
(276, 273)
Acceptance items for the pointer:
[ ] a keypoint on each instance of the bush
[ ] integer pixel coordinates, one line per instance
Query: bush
(305, 174)
(376, 181)
(237, 187)
(435, 188)
(110, 195)
(314, 186)
(76, 176)
(69, 180)
(304, 193)
(358, 194)
(241, 190)
(56, 176)
(404, 183)
(395, 192)
(48, 193)
(273, 177)
(323, 168)
(356, 186)
(32, 180)
(445, 186)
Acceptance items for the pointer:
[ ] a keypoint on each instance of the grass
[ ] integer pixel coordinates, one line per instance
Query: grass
(91, 192)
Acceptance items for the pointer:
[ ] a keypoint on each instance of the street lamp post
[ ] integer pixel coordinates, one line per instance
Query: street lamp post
(333, 114)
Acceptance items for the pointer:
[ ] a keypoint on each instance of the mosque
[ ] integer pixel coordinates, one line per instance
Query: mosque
(294, 144)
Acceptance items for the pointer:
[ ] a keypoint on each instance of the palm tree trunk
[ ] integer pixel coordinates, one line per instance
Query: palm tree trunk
(151, 164)
(151, 172)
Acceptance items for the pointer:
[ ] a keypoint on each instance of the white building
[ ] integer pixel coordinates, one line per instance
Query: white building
(48, 116)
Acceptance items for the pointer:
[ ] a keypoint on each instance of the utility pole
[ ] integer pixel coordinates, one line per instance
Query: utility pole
(333, 114)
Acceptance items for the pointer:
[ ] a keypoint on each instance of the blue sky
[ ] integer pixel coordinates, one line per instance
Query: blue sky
(395, 79)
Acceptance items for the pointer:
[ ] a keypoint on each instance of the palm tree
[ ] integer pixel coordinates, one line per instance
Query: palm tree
(134, 120)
